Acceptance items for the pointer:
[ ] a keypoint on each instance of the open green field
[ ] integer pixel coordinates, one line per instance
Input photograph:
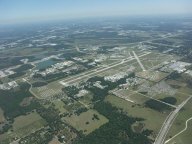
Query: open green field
(154, 76)
(181, 85)
(71, 106)
(59, 105)
(186, 90)
(47, 91)
(179, 123)
(86, 99)
(153, 119)
(86, 122)
(130, 95)
(2, 118)
(184, 137)
(154, 59)
(175, 83)
(23, 126)
(180, 97)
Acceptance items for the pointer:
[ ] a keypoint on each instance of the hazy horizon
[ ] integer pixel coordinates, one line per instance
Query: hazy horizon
(33, 10)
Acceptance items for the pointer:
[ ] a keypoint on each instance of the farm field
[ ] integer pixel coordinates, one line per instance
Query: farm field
(23, 126)
(151, 117)
(60, 106)
(86, 122)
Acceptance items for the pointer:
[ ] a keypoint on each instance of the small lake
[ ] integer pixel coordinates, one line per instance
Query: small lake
(45, 64)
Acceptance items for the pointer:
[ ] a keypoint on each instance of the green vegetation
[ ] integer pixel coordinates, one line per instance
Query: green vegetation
(59, 105)
(170, 100)
(42, 136)
(2, 118)
(151, 117)
(99, 94)
(117, 130)
(23, 68)
(71, 91)
(25, 124)
(7, 62)
(52, 117)
(153, 104)
(86, 122)
(10, 101)
(39, 84)
(16, 75)
(179, 124)
(184, 137)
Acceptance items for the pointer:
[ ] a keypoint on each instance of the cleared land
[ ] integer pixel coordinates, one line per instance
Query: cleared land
(185, 136)
(60, 106)
(180, 123)
(86, 122)
(2, 118)
(131, 96)
(152, 117)
(154, 76)
(23, 126)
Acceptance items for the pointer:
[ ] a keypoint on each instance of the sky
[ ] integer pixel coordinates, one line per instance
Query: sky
(36, 10)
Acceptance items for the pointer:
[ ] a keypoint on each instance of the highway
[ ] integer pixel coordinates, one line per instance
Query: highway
(168, 123)
(186, 126)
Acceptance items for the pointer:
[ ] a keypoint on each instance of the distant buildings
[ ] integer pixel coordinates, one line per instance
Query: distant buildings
(55, 68)
(175, 66)
(189, 72)
(115, 77)
(7, 72)
(9, 85)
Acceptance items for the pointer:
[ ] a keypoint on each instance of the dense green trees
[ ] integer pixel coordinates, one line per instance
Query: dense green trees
(98, 93)
(10, 101)
(117, 131)
(39, 84)
(71, 91)
(170, 100)
(24, 67)
(156, 105)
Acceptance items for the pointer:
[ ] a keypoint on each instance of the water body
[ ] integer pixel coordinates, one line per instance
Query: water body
(45, 64)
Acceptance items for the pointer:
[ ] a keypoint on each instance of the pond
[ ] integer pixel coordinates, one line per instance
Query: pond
(45, 64)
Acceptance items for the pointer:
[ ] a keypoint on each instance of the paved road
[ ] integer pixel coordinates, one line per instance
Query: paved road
(138, 60)
(186, 126)
(168, 123)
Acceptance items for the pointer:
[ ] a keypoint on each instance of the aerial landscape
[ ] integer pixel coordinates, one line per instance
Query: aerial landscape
(104, 80)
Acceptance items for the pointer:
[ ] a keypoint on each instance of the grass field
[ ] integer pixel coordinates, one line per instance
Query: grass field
(186, 90)
(179, 97)
(27, 124)
(60, 106)
(154, 76)
(87, 99)
(2, 118)
(54, 141)
(23, 126)
(153, 119)
(72, 106)
(47, 91)
(179, 123)
(131, 96)
(175, 83)
(84, 122)
(183, 138)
